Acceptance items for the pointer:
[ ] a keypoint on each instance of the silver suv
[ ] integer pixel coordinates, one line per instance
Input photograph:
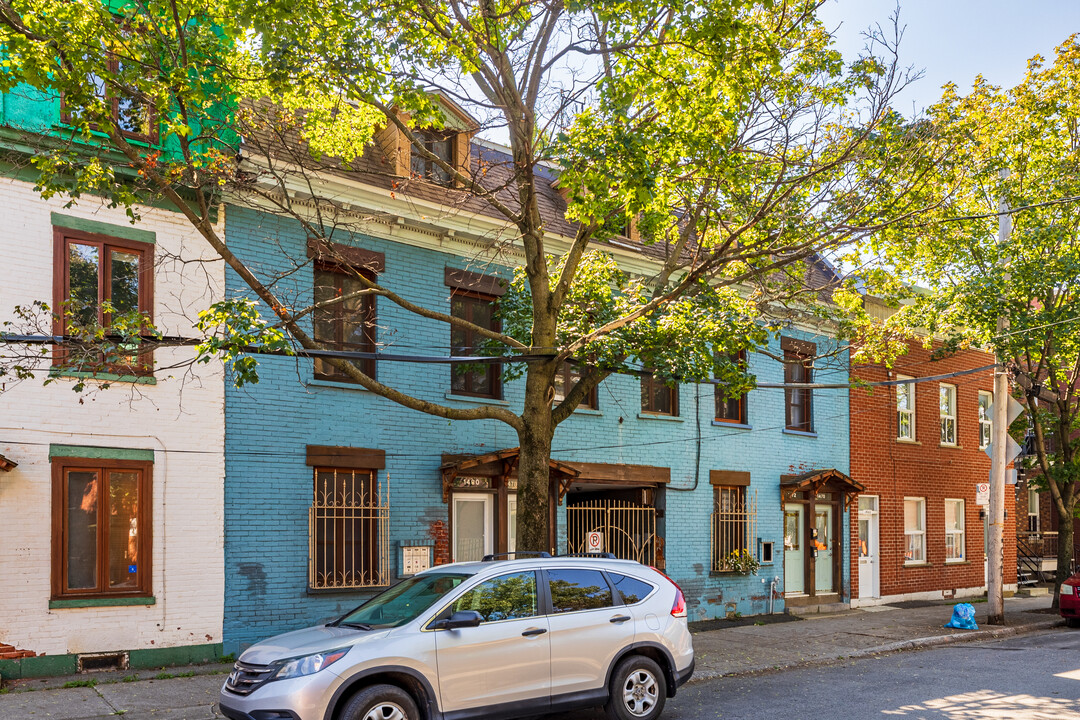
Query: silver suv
(499, 638)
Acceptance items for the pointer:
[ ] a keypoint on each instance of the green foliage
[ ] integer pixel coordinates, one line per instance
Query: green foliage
(234, 327)
(740, 561)
(79, 684)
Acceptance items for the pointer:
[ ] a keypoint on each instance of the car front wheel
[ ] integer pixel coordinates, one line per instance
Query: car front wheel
(380, 702)
(638, 690)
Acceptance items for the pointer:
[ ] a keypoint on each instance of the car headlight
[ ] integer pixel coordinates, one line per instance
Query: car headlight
(309, 664)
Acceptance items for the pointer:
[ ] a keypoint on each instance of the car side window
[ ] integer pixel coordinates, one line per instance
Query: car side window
(631, 589)
(573, 590)
(506, 597)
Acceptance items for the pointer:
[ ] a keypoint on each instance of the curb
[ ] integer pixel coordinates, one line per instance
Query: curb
(898, 646)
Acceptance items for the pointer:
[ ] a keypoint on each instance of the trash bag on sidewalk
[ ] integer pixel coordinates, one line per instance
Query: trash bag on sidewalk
(963, 617)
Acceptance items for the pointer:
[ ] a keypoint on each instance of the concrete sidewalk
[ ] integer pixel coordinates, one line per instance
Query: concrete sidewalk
(721, 652)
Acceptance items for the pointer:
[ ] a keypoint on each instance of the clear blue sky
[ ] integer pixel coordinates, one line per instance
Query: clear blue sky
(955, 40)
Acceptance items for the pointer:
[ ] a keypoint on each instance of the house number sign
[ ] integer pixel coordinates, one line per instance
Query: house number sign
(472, 481)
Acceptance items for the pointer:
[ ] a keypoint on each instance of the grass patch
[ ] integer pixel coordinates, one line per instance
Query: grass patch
(164, 676)
(129, 678)
(80, 683)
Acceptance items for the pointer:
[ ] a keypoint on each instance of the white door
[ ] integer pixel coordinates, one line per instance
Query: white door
(869, 565)
(794, 549)
(511, 522)
(472, 526)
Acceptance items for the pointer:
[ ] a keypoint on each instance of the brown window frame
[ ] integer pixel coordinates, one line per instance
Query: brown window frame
(569, 380)
(368, 311)
(649, 384)
(798, 368)
(61, 466)
(62, 238)
(472, 341)
(151, 138)
(427, 169)
(730, 533)
(722, 400)
(334, 515)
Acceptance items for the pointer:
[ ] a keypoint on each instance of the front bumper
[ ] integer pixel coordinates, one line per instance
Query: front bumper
(234, 714)
(1069, 605)
(302, 698)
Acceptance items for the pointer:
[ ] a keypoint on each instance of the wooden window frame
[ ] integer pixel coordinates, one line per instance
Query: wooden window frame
(62, 237)
(472, 338)
(950, 390)
(649, 383)
(921, 532)
(429, 171)
(722, 400)
(154, 126)
(798, 368)
(962, 532)
(370, 319)
(144, 518)
(909, 412)
(1032, 509)
(986, 423)
(566, 374)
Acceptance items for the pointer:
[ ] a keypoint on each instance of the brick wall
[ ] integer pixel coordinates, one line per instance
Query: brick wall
(269, 487)
(893, 470)
(180, 419)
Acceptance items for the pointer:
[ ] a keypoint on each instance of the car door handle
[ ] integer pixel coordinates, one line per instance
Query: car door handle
(534, 631)
(619, 618)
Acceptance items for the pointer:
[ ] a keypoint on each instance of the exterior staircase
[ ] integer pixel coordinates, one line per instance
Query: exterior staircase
(1028, 563)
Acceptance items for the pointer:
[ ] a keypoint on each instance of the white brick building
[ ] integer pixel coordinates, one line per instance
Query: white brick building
(111, 525)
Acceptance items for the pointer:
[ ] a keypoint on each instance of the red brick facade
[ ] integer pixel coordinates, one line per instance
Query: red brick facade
(893, 469)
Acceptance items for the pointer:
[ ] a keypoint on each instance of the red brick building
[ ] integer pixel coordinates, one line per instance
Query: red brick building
(918, 532)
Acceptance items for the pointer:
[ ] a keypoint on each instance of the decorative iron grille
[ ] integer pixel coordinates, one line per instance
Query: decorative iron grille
(734, 523)
(349, 545)
(629, 530)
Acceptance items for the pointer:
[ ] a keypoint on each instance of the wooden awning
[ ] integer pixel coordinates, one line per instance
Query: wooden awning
(506, 463)
(7, 465)
(816, 480)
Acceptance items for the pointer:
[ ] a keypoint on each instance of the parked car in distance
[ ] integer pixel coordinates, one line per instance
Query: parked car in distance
(1069, 601)
(491, 639)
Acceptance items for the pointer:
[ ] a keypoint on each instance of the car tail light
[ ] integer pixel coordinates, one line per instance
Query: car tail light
(678, 608)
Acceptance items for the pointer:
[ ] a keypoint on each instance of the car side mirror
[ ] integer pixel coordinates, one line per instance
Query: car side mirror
(462, 619)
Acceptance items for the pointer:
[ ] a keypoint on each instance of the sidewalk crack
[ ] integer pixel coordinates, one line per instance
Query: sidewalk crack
(115, 710)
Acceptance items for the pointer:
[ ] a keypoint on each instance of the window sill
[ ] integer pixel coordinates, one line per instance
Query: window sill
(659, 416)
(346, 591)
(801, 433)
(336, 384)
(588, 411)
(107, 377)
(952, 446)
(906, 441)
(475, 399)
(918, 564)
(950, 563)
(728, 573)
(100, 602)
(736, 426)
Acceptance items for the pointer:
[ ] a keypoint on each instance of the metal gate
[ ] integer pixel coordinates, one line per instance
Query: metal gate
(629, 530)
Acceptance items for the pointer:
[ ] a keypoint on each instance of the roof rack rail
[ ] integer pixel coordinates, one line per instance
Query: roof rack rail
(601, 555)
(532, 553)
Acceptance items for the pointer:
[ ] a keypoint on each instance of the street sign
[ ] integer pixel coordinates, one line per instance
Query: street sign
(595, 543)
(982, 493)
(1012, 450)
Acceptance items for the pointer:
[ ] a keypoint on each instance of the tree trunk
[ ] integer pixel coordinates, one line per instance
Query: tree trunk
(534, 439)
(1064, 554)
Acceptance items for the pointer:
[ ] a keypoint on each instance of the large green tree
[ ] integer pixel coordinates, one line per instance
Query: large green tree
(730, 132)
(1020, 147)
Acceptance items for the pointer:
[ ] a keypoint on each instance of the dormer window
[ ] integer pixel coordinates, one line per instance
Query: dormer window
(440, 144)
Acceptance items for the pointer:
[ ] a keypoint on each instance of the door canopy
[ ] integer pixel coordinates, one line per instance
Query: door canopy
(816, 481)
(504, 464)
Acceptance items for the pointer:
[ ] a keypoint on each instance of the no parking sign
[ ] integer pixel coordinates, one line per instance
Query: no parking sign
(982, 493)
(595, 543)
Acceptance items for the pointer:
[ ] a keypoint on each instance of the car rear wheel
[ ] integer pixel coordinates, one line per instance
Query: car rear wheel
(1072, 622)
(380, 702)
(638, 690)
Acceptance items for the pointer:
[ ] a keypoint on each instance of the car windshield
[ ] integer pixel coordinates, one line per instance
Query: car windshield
(403, 602)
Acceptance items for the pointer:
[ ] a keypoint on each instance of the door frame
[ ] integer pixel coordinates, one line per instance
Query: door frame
(875, 545)
(489, 525)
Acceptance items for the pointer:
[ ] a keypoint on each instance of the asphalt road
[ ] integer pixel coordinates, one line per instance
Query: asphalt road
(1036, 677)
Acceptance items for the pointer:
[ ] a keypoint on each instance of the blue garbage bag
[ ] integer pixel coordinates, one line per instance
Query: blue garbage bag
(963, 617)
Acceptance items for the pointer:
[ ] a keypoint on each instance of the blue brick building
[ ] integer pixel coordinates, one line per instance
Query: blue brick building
(683, 485)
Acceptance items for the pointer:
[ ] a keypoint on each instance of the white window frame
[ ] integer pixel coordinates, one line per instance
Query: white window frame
(907, 412)
(959, 535)
(948, 421)
(986, 423)
(1033, 508)
(909, 532)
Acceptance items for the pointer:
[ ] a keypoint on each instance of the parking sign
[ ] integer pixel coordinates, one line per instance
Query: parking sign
(595, 543)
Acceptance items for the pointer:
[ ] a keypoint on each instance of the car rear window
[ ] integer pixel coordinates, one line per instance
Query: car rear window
(573, 590)
(631, 589)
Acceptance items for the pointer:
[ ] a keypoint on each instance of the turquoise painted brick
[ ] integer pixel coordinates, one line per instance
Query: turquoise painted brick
(268, 425)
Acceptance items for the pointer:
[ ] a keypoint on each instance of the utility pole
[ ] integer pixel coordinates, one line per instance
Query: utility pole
(995, 574)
